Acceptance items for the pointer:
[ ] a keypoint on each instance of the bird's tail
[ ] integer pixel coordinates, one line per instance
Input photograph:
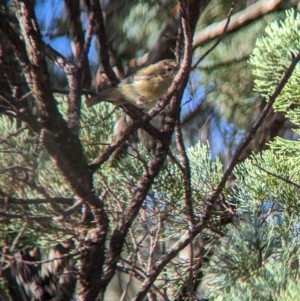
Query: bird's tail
(112, 95)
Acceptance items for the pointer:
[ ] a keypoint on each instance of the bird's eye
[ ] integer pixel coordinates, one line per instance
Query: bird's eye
(169, 69)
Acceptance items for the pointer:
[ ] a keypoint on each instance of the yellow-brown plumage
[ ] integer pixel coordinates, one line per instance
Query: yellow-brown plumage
(142, 89)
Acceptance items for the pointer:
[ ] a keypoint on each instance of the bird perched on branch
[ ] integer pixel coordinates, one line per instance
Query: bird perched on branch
(143, 88)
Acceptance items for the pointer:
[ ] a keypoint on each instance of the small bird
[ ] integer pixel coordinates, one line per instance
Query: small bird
(143, 88)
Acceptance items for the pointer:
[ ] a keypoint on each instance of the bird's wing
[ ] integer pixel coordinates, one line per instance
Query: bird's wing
(112, 94)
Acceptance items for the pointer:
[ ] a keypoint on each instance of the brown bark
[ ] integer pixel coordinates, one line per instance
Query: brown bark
(98, 265)
(78, 42)
(238, 20)
(62, 145)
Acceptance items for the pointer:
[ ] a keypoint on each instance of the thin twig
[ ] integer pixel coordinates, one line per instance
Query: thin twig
(67, 92)
(186, 176)
(141, 278)
(174, 159)
(203, 56)
(235, 159)
(156, 163)
(140, 121)
(192, 233)
(18, 237)
(64, 201)
(124, 294)
(277, 176)
(249, 14)
(154, 237)
(38, 262)
(100, 31)
(89, 35)
(42, 218)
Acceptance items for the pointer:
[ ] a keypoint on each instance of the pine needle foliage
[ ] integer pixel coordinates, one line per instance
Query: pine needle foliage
(163, 211)
(258, 258)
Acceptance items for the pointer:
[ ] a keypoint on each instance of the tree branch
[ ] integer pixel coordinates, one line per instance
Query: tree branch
(140, 121)
(73, 76)
(102, 38)
(173, 114)
(41, 218)
(186, 176)
(155, 165)
(203, 56)
(192, 233)
(178, 133)
(10, 200)
(79, 45)
(238, 20)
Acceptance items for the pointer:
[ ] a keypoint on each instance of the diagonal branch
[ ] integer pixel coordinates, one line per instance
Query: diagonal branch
(73, 76)
(208, 51)
(32, 59)
(173, 115)
(102, 38)
(277, 176)
(178, 133)
(78, 76)
(186, 170)
(10, 200)
(235, 159)
(140, 121)
(61, 144)
(41, 218)
(79, 45)
(238, 20)
(146, 179)
(192, 233)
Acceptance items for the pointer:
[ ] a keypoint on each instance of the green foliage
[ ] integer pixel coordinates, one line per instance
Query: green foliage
(228, 84)
(271, 180)
(226, 72)
(27, 173)
(258, 258)
(254, 258)
(163, 211)
(125, 25)
(151, 13)
(270, 60)
(34, 175)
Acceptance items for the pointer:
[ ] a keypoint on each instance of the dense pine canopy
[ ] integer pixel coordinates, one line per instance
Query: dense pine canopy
(194, 199)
